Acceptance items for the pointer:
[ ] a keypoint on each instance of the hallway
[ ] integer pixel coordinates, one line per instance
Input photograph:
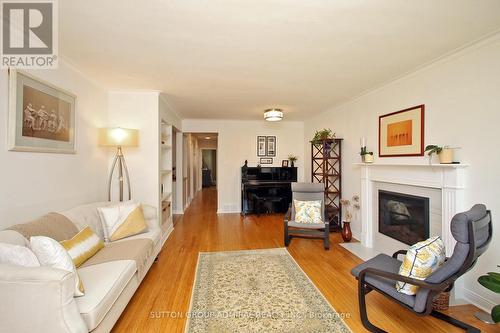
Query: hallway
(162, 300)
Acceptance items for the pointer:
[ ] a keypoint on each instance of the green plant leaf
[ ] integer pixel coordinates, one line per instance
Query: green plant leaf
(494, 275)
(490, 282)
(495, 314)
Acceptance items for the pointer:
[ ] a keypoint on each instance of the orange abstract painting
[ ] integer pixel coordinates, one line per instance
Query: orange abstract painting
(400, 133)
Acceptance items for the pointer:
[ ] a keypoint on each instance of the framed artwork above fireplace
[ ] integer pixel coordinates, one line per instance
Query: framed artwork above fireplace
(401, 133)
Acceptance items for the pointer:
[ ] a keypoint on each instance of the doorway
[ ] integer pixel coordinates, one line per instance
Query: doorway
(209, 167)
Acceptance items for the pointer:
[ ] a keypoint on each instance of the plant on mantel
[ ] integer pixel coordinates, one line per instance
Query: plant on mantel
(292, 158)
(445, 153)
(322, 135)
(491, 281)
(366, 156)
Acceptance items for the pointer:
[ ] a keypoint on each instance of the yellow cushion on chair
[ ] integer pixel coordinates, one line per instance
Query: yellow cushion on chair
(83, 246)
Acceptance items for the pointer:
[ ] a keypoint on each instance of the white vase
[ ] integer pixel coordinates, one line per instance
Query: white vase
(446, 156)
(368, 158)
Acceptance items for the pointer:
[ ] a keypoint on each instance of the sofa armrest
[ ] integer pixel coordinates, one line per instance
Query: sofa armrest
(38, 299)
(151, 216)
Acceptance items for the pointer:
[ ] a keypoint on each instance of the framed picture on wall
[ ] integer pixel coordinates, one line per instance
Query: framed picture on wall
(41, 116)
(401, 133)
(261, 146)
(271, 146)
(266, 160)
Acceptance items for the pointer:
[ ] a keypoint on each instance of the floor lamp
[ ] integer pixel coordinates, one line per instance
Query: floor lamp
(119, 137)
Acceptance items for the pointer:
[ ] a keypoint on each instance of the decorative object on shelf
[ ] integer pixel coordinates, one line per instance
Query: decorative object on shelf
(490, 281)
(366, 156)
(326, 169)
(445, 153)
(292, 158)
(261, 145)
(119, 137)
(266, 160)
(349, 206)
(401, 133)
(322, 135)
(41, 116)
(284, 163)
(273, 114)
(271, 146)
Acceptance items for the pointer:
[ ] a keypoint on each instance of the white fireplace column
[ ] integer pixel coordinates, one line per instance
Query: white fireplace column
(449, 178)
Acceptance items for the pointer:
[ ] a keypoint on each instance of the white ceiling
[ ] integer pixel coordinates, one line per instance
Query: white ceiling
(235, 58)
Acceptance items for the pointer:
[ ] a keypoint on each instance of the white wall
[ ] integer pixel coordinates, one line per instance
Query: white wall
(139, 110)
(237, 142)
(32, 184)
(461, 96)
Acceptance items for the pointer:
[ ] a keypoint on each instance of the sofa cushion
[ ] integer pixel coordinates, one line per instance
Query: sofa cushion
(103, 283)
(122, 220)
(13, 237)
(53, 225)
(87, 215)
(153, 234)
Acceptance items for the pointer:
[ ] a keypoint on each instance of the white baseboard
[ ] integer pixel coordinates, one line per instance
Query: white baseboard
(221, 211)
(477, 300)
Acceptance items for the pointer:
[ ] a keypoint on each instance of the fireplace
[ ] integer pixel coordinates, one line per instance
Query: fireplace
(403, 217)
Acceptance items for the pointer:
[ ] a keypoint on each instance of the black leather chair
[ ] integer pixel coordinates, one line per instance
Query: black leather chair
(472, 230)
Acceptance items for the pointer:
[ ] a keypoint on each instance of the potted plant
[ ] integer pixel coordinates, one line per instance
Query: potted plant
(490, 281)
(292, 158)
(366, 156)
(348, 205)
(445, 153)
(321, 135)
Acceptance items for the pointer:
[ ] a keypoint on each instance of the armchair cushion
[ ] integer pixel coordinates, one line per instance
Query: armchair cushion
(421, 260)
(389, 264)
(308, 211)
(301, 225)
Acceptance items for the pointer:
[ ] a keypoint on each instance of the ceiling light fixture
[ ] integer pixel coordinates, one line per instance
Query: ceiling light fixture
(273, 114)
(207, 138)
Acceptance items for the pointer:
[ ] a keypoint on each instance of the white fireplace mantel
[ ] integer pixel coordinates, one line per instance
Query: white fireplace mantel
(449, 178)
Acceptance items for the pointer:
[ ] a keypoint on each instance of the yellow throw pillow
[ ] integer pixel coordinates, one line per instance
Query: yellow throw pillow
(121, 221)
(421, 260)
(83, 246)
(308, 211)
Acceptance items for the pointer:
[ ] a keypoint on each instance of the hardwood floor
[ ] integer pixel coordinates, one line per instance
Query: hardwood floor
(161, 301)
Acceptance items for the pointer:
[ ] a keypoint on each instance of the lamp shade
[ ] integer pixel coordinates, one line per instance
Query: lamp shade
(118, 137)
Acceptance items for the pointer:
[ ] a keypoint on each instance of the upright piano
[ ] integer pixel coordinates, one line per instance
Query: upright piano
(266, 189)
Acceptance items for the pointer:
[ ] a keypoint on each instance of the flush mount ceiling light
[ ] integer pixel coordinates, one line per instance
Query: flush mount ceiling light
(207, 138)
(273, 114)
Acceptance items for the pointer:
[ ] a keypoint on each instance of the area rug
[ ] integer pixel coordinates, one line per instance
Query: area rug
(257, 291)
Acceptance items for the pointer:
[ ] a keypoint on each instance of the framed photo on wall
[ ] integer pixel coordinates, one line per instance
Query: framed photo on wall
(271, 146)
(266, 160)
(41, 116)
(401, 133)
(261, 145)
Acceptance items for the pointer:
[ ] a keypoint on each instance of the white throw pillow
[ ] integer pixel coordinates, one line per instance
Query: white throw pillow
(17, 255)
(122, 220)
(50, 253)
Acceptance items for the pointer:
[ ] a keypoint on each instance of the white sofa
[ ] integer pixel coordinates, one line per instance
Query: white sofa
(40, 299)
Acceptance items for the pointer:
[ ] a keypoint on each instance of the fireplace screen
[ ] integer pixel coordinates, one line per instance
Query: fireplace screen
(403, 217)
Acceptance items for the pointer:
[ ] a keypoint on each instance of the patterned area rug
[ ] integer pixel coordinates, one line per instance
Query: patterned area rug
(257, 291)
